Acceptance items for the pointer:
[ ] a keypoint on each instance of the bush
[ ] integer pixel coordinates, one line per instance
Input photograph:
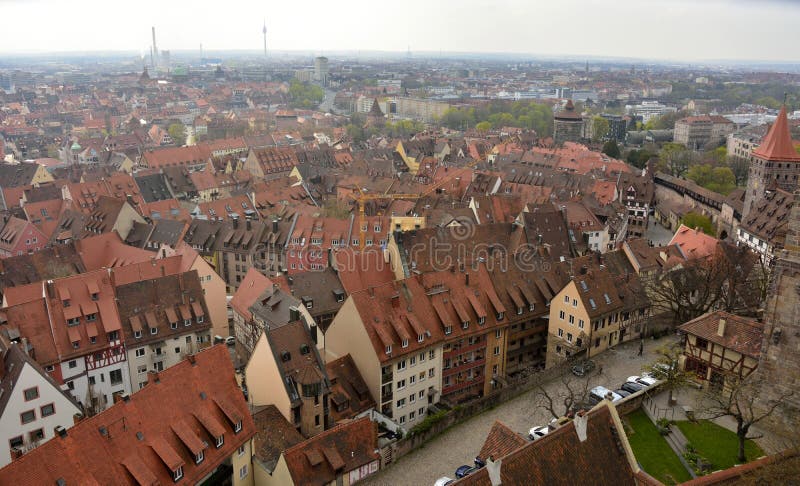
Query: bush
(428, 423)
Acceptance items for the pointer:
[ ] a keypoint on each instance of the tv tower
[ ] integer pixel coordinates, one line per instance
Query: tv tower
(264, 30)
(155, 49)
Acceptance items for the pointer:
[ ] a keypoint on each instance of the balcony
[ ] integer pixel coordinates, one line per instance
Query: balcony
(386, 397)
(455, 350)
(478, 362)
(462, 385)
(386, 378)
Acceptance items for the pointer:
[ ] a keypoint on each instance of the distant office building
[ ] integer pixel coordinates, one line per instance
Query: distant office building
(567, 125)
(418, 108)
(699, 132)
(617, 126)
(649, 109)
(304, 75)
(321, 70)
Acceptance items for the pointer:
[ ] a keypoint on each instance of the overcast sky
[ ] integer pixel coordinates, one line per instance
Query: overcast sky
(687, 30)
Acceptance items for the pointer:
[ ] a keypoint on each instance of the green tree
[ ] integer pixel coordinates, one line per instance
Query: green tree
(177, 132)
(483, 126)
(697, 220)
(666, 369)
(717, 179)
(305, 95)
(674, 159)
(611, 149)
(600, 127)
(665, 121)
(639, 158)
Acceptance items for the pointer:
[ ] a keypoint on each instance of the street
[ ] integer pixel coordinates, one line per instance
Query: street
(460, 444)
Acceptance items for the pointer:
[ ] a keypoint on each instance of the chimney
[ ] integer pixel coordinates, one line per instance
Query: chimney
(16, 454)
(493, 468)
(152, 377)
(721, 327)
(60, 431)
(274, 225)
(466, 279)
(294, 314)
(248, 225)
(191, 359)
(79, 416)
(396, 300)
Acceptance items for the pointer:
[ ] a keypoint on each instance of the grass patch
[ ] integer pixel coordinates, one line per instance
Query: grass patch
(717, 444)
(653, 452)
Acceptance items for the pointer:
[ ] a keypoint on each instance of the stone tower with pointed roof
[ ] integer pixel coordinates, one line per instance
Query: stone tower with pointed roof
(375, 114)
(567, 125)
(774, 163)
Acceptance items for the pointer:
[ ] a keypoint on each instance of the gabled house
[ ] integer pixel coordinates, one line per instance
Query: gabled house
(32, 404)
(19, 237)
(190, 423)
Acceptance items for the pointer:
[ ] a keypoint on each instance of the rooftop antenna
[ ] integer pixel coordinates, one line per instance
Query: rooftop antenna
(201, 53)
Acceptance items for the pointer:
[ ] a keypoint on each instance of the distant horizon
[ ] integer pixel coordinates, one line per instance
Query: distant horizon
(396, 54)
(684, 31)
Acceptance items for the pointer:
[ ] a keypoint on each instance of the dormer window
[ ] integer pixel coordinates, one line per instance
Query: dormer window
(95, 296)
(405, 343)
(420, 338)
(137, 334)
(465, 325)
(153, 331)
(76, 344)
(199, 319)
(65, 303)
(448, 329)
(91, 317)
(220, 441)
(74, 321)
(198, 458)
(177, 474)
(519, 310)
(481, 319)
(389, 349)
(531, 307)
(237, 427)
(173, 325)
(187, 322)
(499, 316)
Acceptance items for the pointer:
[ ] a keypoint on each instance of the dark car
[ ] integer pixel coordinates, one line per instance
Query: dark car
(632, 386)
(622, 393)
(582, 368)
(464, 471)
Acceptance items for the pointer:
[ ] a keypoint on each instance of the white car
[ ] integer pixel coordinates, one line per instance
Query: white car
(600, 393)
(646, 379)
(538, 432)
(443, 481)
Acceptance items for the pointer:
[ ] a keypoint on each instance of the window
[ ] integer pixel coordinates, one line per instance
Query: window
(420, 338)
(569, 337)
(561, 315)
(36, 435)
(401, 384)
(412, 361)
(431, 354)
(701, 343)
(422, 356)
(405, 343)
(580, 323)
(115, 376)
(137, 334)
(28, 416)
(178, 350)
(560, 332)
(448, 329)
(431, 373)
(421, 411)
(220, 441)
(241, 449)
(401, 365)
(16, 442)
(141, 369)
(316, 420)
(571, 319)
(497, 350)
(47, 410)
(31, 393)
(412, 379)
(177, 473)
(198, 458)
(173, 325)
(243, 472)
(481, 320)
(498, 334)
(74, 321)
(422, 376)
(237, 427)
(499, 316)
(574, 302)
(411, 415)
(153, 330)
(187, 322)
(389, 349)
(401, 403)
(566, 299)
(140, 352)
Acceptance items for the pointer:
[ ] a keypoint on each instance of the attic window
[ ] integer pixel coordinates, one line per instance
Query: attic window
(177, 474)
(237, 427)
(154, 330)
(465, 325)
(531, 307)
(584, 286)
(420, 338)
(499, 316)
(286, 356)
(65, 303)
(389, 349)
(304, 349)
(220, 440)
(137, 334)
(608, 299)
(95, 296)
(405, 343)
(591, 302)
(519, 310)
(481, 319)
(448, 329)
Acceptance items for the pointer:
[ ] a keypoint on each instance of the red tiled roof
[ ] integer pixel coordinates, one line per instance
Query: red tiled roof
(694, 243)
(252, 286)
(500, 442)
(135, 442)
(740, 334)
(777, 145)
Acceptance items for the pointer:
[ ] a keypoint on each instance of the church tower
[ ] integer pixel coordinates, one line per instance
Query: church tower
(774, 163)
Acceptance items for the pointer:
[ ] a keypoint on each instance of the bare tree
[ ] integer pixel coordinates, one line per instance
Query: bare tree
(739, 400)
(666, 369)
(567, 394)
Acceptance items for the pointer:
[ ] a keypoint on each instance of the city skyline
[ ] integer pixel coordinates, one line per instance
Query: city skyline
(735, 30)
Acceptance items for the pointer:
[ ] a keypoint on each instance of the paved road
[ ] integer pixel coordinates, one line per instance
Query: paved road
(657, 233)
(460, 444)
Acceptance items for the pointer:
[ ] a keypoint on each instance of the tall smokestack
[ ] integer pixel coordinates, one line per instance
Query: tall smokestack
(155, 48)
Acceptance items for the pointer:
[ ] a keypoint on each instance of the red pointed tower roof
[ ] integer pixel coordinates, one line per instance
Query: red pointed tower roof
(777, 145)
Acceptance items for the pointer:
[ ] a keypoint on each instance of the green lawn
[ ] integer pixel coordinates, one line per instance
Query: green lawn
(717, 444)
(653, 452)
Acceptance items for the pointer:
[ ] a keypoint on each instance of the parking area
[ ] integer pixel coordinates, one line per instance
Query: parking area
(460, 444)
(657, 233)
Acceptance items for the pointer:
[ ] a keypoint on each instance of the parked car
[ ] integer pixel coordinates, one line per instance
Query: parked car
(538, 432)
(600, 393)
(622, 393)
(583, 367)
(464, 471)
(646, 379)
(444, 481)
(632, 386)
(230, 340)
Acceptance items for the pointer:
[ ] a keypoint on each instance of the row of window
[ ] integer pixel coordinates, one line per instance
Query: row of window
(412, 380)
(29, 416)
(172, 325)
(401, 365)
(412, 415)
(562, 315)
